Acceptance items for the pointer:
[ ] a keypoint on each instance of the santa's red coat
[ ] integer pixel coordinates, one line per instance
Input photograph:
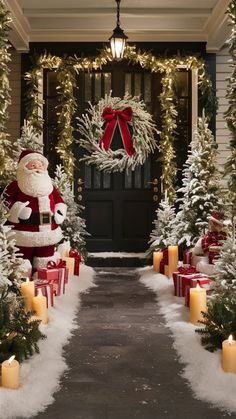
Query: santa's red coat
(35, 235)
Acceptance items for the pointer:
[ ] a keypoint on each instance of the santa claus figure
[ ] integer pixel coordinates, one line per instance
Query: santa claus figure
(209, 244)
(36, 209)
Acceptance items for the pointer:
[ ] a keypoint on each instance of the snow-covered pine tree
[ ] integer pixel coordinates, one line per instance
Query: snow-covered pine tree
(10, 260)
(18, 336)
(162, 234)
(29, 139)
(74, 226)
(225, 277)
(201, 186)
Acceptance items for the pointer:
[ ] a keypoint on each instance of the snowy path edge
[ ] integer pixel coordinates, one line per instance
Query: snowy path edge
(40, 375)
(202, 369)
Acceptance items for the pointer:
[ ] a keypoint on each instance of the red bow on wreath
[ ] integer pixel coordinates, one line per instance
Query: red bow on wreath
(114, 117)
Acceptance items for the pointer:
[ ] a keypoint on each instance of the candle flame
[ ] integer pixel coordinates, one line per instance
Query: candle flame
(27, 280)
(230, 339)
(198, 287)
(11, 359)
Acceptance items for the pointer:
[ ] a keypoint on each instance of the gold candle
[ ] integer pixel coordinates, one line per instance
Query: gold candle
(27, 291)
(229, 355)
(157, 256)
(11, 373)
(40, 307)
(70, 263)
(197, 304)
(173, 259)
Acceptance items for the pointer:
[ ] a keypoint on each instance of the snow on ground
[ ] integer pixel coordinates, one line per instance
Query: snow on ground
(202, 369)
(117, 255)
(40, 374)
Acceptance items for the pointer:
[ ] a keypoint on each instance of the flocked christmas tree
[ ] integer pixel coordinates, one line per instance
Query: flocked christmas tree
(220, 318)
(18, 336)
(29, 138)
(225, 276)
(8, 148)
(201, 186)
(74, 226)
(163, 235)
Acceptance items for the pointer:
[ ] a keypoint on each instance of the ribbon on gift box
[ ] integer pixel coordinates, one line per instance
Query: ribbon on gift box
(47, 289)
(181, 280)
(189, 269)
(56, 265)
(73, 253)
(62, 280)
(187, 257)
(165, 257)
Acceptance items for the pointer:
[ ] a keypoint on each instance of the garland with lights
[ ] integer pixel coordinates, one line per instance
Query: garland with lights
(166, 66)
(6, 146)
(116, 111)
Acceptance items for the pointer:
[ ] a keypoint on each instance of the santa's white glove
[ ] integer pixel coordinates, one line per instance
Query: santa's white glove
(60, 213)
(25, 213)
(19, 210)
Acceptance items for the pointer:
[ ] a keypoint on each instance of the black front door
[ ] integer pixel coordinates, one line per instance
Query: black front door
(119, 207)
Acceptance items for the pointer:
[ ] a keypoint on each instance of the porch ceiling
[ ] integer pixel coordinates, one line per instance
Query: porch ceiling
(142, 20)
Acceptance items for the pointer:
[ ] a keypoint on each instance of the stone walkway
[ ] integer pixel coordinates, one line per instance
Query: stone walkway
(122, 364)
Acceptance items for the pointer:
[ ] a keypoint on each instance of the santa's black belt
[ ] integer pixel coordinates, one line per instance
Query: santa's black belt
(39, 218)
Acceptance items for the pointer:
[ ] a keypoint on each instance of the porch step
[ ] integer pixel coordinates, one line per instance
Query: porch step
(116, 259)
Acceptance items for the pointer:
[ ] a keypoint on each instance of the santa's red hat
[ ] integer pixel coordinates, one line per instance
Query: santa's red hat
(217, 217)
(28, 155)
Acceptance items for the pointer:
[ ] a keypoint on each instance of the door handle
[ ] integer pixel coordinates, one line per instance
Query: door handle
(80, 182)
(154, 182)
(155, 198)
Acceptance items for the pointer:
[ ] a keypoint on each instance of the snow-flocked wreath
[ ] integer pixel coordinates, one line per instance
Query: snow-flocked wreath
(137, 129)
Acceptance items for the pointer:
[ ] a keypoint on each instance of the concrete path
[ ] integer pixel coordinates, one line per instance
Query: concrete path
(122, 364)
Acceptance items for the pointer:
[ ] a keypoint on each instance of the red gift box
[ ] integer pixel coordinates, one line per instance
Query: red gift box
(46, 288)
(75, 255)
(162, 267)
(203, 282)
(49, 273)
(165, 257)
(180, 279)
(188, 257)
(59, 283)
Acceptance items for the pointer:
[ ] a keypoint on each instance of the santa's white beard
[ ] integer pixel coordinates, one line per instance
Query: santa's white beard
(34, 183)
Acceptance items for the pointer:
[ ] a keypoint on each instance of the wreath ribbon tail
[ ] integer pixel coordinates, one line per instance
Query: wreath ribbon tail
(108, 134)
(126, 137)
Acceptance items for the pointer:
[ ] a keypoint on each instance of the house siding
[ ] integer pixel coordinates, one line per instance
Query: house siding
(14, 110)
(223, 71)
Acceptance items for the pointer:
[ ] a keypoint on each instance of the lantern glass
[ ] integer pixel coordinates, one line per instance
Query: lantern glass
(117, 47)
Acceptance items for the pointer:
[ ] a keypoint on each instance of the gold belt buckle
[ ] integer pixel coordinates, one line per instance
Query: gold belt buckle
(45, 218)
